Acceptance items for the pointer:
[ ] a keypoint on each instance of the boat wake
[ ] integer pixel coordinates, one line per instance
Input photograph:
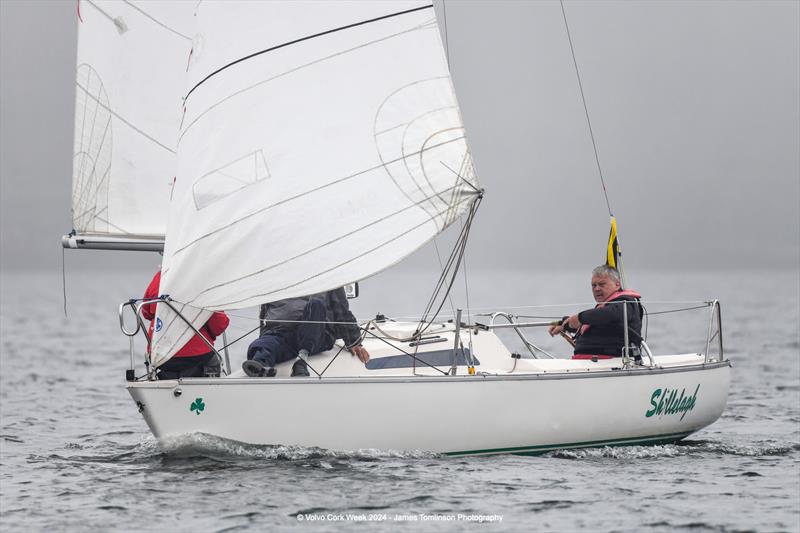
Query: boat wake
(216, 448)
(212, 447)
(211, 450)
(684, 448)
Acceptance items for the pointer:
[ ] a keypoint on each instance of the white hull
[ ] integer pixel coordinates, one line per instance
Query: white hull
(523, 412)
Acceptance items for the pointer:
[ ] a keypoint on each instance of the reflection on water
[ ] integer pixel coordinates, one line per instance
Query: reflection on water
(76, 455)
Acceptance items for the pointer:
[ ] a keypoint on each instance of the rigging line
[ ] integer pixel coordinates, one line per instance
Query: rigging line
(462, 178)
(414, 357)
(470, 360)
(456, 258)
(64, 279)
(451, 267)
(389, 336)
(237, 339)
(551, 317)
(442, 278)
(441, 266)
(583, 304)
(452, 278)
(443, 275)
(331, 361)
(446, 40)
(107, 108)
(109, 17)
(179, 314)
(143, 12)
(466, 287)
(585, 108)
(648, 313)
(301, 39)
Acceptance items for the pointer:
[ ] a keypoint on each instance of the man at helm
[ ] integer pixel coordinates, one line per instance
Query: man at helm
(599, 333)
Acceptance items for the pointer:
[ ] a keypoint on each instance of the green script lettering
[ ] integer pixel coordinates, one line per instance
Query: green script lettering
(690, 403)
(656, 394)
(667, 402)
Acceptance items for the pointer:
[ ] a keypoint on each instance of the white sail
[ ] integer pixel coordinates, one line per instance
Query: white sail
(321, 143)
(130, 79)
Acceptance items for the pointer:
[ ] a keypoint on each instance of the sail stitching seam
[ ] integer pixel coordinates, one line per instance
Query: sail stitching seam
(292, 71)
(295, 197)
(406, 124)
(306, 38)
(338, 238)
(151, 17)
(108, 108)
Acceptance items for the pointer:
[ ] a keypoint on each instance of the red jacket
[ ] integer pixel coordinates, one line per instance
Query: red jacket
(212, 329)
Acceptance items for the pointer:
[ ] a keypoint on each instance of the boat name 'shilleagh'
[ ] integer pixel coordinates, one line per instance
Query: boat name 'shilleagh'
(669, 403)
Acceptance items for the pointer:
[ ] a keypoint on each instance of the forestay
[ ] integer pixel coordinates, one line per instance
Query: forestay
(321, 143)
(130, 82)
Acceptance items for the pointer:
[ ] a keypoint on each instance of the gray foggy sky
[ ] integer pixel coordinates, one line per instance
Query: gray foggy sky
(694, 105)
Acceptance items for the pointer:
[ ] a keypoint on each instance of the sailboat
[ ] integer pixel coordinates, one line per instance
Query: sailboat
(280, 149)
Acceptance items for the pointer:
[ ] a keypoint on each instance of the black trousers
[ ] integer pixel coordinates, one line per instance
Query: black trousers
(194, 366)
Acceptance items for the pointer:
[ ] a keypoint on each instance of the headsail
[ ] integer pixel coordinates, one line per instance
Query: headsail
(130, 79)
(321, 145)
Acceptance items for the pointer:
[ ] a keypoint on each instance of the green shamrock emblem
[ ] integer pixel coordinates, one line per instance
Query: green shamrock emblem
(197, 406)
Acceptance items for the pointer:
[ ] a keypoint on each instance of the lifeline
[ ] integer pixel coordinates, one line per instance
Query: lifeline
(669, 404)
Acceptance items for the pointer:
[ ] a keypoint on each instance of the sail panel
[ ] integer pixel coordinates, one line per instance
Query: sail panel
(130, 80)
(320, 146)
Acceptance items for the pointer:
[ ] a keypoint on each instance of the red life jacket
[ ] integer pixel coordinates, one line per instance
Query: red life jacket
(212, 329)
(627, 292)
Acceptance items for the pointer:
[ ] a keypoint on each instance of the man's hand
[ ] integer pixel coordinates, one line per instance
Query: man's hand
(571, 321)
(360, 352)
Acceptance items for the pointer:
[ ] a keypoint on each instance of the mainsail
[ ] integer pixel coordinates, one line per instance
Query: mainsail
(321, 143)
(130, 78)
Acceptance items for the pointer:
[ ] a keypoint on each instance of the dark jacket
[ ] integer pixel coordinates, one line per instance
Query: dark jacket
(212, 329)
(602, 331)
(337, 310)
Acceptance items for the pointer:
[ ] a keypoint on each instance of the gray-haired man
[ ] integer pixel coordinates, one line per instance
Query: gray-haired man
(600, 332)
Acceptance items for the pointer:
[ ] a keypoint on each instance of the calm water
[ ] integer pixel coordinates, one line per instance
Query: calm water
(75, 455)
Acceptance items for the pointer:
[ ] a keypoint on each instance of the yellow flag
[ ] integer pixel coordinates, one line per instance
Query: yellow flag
(612, 254)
